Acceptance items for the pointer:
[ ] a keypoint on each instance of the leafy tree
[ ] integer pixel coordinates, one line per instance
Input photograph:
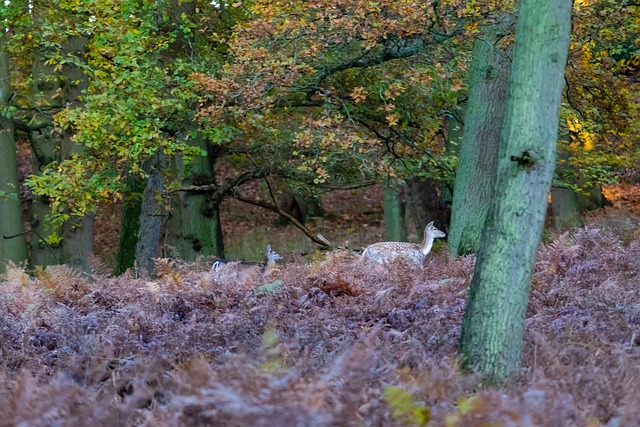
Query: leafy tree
(42, 40)
(331, 93)
(492, 330)
(137, 108)
(600, 110)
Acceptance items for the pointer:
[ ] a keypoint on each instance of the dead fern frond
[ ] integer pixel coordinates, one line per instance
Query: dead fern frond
(164, 266)
(16, 274)
(558, 241)
(337, 285)
(62, 280)
(99, 267)
(174, 279)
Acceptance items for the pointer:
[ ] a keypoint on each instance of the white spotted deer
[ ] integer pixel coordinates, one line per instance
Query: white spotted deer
(242, 270)
(388, 252)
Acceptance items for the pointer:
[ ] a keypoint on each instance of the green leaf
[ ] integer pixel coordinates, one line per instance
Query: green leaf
(270, 288)
(403, 407)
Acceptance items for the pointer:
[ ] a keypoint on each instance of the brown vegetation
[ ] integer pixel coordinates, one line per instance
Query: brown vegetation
(324, 344)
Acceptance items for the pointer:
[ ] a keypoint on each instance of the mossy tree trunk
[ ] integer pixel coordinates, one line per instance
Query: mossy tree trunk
(77, 235)
(394, 211)
(484, 117)
(592, 196)
(493, 325)
(565, 204)
(194, 227)
(59, 90)
(455, 131)
(13, 246)
(131, 210)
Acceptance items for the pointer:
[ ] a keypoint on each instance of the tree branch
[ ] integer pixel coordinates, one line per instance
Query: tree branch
(275, 208)
(219, 191)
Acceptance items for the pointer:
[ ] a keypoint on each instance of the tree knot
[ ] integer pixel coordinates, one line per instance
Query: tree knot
(527, 159)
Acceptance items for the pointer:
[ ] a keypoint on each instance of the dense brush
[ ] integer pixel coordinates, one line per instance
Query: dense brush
(332, 343)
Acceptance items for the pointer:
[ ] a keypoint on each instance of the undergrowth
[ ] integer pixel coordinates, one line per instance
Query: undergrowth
(333, 343)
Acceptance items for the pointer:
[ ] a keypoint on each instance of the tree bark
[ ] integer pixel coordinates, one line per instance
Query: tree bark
(424, 202)
(131, 210)
(493, 325)
(59, 89)
(77, 233)
(484, 117)
(564, 200)
(394, 212)
(13, 246)
(194, 227)
(455, 132)
(150, 220)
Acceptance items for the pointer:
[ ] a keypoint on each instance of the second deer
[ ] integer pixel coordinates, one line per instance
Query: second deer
(389, 252)
(228, 269)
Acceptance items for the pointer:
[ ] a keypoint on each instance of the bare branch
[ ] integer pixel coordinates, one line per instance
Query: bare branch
(275, 208)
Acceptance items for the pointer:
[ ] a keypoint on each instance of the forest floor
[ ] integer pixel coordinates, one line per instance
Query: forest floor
(325, 340)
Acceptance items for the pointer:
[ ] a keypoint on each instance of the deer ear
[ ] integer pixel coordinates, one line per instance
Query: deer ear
(430, 224)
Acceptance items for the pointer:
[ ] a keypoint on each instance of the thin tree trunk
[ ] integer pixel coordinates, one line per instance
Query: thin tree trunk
(455, 132)
(493, 325)
(13, 246)
(394, 212)
(484, 117)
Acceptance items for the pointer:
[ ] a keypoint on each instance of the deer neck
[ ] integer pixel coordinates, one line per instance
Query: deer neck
(427, 243)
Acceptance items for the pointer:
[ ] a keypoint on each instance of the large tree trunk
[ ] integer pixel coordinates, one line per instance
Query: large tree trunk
(77, 235)
(64, 89)
(593, 198)
(194, 227)
(42, 252)
(424, 202)
(394, 212)
(565, 208)
(493, 325)
(484, 117)
(13, 246)
(130, 225)
(564, 200)
(151, 216)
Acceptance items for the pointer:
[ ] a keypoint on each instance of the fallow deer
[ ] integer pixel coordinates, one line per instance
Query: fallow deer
(225, 268)
(388, 252)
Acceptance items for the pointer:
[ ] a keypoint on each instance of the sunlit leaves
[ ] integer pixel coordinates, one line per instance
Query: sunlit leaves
(602, 112)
